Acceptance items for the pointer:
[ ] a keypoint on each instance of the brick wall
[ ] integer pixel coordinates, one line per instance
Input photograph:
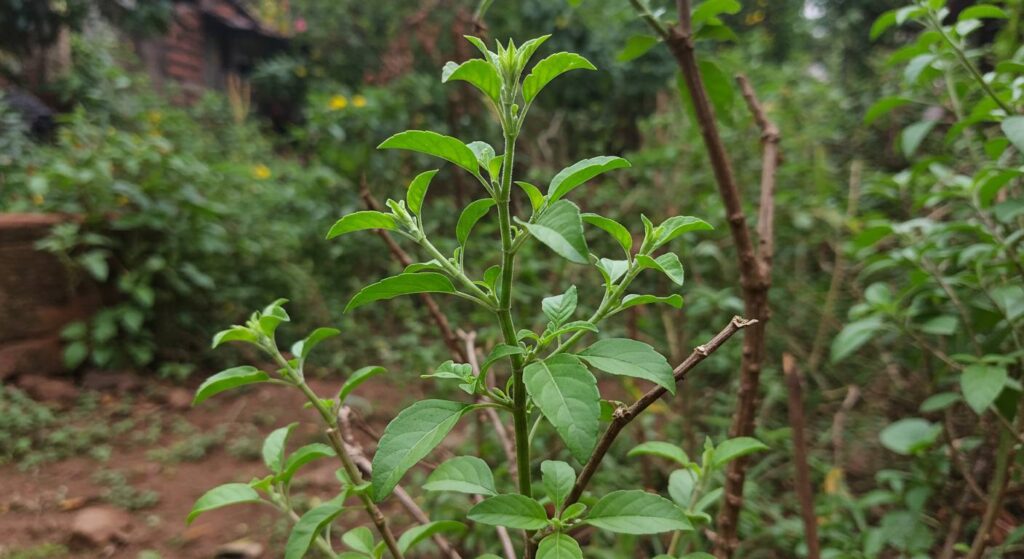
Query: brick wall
(37, 298)
(183, 49)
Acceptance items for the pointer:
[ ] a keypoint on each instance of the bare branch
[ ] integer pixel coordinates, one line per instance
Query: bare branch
(624, 415)
(770, 159)
(803, 474)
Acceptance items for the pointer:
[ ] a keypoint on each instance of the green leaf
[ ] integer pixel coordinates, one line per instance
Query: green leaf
(222, 496)
(678, 225)
(500, 351)
(637, 512)
(560, 308)
(613, 228)
(611, 270)
(478, 72)
(939, 402)
(360, 221)
(359, 539)
(76, 353)
(732, 449)
(309, 526)
(913, 135)
(561, 229)
(409, 438)
(273, 448)
(636, 46)
(1013, 127)
(438, 145)
(302, 348)
(661, 449)
(418, 191)
(550, 68)
(533, 193)
(511, 511)
(681, 484)
(853, 336)
(622, 356)
(667, 264)
(303, 456)
(462, 474)
(884, 106)
(633, 300)
(228, 379)
(884, 22)
(710, 9)
(234, 334)
(484, 153)
(566, 393)
(981, 385)
(909, 436)
(95, 262)
(984, 11)
(559, 546)
(272, 316)
(470, 215)
(580, 172)
(356, 378)
(558, 478)
(945, 325)
(402, 284)
(416, 534)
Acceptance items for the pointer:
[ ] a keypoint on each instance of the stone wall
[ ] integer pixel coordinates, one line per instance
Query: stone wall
(38, 297)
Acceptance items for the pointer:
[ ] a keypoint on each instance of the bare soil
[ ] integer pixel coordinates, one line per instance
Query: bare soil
(37, 506)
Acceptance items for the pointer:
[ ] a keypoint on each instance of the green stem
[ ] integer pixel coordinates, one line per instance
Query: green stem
(966, 62)
(479, 295)
(321, 541)
(610, 302)
(504, 313)
(334, 437)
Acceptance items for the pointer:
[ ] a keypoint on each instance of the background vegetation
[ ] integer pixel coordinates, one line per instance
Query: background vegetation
(898, 283)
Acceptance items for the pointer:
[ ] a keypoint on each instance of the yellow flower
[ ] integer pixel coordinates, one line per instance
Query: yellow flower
(338, 102)
(301, 71)
(38, 199)
(358, 101)
(833, 481)
(754, 17)
(154, 117)
(122, 200)
(261, 172)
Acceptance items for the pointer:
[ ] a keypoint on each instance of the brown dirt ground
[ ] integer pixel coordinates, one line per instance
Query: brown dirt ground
(33, 504)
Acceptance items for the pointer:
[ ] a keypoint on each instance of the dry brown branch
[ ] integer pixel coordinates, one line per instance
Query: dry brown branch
(839, 424)
(804, 490)
(624, 415)
(754, 265)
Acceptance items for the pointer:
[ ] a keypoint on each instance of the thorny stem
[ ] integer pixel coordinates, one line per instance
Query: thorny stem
(334, 437)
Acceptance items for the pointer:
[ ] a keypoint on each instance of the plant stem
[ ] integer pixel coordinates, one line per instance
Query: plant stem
(520, 419)
(508, 330)
(966, 62)
(324, 543)
(334, 437)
